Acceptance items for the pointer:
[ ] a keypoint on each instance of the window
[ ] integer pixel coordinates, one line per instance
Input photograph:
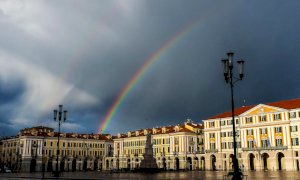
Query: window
(263, 131)
(230, 134)
(211, 124)
(278, 142)
(278, 129)
(249, 131)
(250, 144)
(295, 141)
(264, 143)
(249, 120)
(223, 123)
(223, 134)
(238, 144)
(229, 122)
(230, 145)
(51, 144)
(294, 129)
(211, 135)
(45, 143)
(292, 114)
(212, 146)
(277, 116)
(263, 118)
(224, 145)
(237, 121)
(176, 140)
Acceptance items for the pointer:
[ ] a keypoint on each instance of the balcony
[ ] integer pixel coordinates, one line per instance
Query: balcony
(211, 151)
(265, 148)
(197, 152)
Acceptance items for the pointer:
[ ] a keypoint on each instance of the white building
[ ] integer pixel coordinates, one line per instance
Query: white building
(267, 137)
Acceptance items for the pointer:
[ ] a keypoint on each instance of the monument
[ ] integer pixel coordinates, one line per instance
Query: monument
(149, 162)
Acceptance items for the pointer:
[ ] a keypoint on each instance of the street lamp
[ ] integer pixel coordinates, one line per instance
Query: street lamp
(230, 79)
(59, 113)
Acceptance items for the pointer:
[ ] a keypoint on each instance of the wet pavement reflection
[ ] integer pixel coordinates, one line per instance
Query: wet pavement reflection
(280, 175)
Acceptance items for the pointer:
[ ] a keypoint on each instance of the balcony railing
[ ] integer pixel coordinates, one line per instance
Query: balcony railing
(265, 148)
(211, 151)
(197, 152)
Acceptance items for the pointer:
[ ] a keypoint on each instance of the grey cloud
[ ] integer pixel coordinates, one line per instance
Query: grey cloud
(82, 54)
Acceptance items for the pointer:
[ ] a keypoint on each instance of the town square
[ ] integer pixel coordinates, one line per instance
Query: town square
(149, 89)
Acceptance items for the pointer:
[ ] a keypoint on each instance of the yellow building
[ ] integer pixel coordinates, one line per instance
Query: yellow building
(267, 137)
(35, 148)
(174, 147)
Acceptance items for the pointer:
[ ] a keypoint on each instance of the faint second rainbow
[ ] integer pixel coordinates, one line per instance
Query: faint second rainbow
(139, 74)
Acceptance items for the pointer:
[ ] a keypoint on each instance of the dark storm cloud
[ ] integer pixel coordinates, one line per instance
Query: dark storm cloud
(82, 54)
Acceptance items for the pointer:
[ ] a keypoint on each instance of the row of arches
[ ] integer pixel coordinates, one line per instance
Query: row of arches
(191, 163)
(263, 162)
(280, 161)
(64, 165)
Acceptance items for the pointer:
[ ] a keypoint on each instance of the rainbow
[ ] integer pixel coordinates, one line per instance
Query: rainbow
(141, 71)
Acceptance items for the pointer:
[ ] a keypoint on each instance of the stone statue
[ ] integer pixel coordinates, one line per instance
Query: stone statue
(149, 162)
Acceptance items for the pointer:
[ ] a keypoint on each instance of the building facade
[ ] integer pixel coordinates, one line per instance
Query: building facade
(174, 147)
(267, 137)
(35, 149)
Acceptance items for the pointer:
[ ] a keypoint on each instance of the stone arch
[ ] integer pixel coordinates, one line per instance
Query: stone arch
(189, 163)
(213, 161)
(177, 164)
(128, 164)
(95, 164)
(111, 164)
(136, 163)
(251, 162)
(164, 163)
(49, 166)
(280, 161)
(84, 164)
(107, 164)
(202, 163)
(32, 165)
(74, 164)
(265, 161)
(118, 164)
(62, 165)
(231, 162)
(196, 163)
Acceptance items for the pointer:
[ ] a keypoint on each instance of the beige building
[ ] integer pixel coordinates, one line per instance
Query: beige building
(267, 137)
(35, 148)
(174, 147)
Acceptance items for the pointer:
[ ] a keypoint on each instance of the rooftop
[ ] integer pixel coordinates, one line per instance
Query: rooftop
(286, 104)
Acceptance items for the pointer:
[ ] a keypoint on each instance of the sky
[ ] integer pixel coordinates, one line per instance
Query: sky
(83, 53)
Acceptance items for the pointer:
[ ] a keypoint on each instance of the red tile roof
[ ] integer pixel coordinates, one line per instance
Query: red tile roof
(237, 111)
(286, 104)
(169, 129)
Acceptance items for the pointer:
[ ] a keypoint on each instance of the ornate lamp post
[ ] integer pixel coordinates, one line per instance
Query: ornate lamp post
(59, 113)
(230, 79)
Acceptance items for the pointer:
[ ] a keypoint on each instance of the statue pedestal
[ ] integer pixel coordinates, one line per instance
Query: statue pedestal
(149, 162)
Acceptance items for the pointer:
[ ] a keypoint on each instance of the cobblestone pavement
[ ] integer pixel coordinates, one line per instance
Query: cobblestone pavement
(212, 175)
